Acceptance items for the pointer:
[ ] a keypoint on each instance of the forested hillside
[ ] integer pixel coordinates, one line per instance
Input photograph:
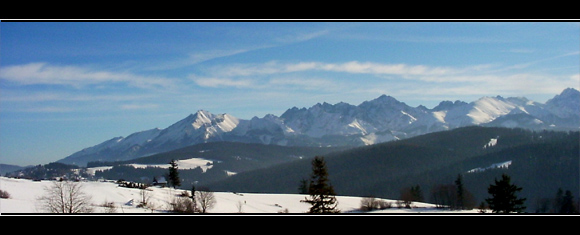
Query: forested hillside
(541, 163)
(224, 158)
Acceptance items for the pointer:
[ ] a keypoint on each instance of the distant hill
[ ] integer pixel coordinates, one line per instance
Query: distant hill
(6, 168)
(540, 162)
(224, 159)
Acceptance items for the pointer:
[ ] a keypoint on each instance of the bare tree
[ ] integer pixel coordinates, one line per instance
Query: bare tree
(182, 205)
(145, 198)
(4, 194)
(368, 204)
(109, 207)
(206, 200)
(65, 197)
(239, 206)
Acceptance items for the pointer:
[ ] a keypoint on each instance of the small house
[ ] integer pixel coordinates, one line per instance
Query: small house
(160, 181)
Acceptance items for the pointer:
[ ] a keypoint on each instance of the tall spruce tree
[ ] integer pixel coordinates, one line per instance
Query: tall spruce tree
(303, 188)
(565, 203)
(460, 192)
(322, 195)
(503, 196)
(174, 174)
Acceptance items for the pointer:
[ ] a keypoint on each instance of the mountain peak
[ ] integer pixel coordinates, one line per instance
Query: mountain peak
(202, 113)
(570, 92)
(386, 98)
(447, 105)
(566, 104)
(384, 101)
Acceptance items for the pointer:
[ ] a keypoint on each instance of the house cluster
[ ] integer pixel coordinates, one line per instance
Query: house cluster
(158, 181)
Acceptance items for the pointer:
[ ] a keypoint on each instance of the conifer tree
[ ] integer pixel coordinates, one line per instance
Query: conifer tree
(303, 188)
(174, 174)
(321, 192)
(460, 192)
(503, 196)
(565, 203)
(410, 195)
(417, 194)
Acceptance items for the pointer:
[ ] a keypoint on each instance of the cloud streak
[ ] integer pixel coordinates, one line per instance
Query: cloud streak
(485, 78)
(354, 67)
(75, 76)
(222, 82)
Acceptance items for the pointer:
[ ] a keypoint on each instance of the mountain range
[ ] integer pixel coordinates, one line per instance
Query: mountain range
(380, 120)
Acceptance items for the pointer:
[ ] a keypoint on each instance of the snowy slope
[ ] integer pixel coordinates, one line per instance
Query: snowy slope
(115, 147)
(24, 193)
(200, 126)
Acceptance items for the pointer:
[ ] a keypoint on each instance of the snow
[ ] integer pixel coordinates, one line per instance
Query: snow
(505, 164)
(487, 109)
(92, 170)
(24, 194)
(185, 164)
(411, 118)
(440, 116)
(492, 142)
(375, 137)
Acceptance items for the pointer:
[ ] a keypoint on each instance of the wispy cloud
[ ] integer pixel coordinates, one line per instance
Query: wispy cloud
(76, 76)
(356, 67)
(484, 79)
(304, 83)
(44, 96)
(138, 106)
(521, 51)
(194, 58)
(301, 36)
(46, 109)
(222, 82)
(199, 56)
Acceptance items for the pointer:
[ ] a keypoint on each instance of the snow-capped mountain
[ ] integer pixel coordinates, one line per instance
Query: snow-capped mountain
(379, 120)
(196, 128)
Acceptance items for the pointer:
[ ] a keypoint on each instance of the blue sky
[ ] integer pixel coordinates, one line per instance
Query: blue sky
(65, 86)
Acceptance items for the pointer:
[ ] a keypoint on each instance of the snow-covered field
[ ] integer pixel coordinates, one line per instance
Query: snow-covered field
(24, 194)
(183, 164)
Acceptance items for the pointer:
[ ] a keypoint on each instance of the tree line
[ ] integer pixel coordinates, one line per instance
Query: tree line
(503, 195)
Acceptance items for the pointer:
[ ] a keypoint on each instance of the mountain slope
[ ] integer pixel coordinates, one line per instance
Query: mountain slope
(380, 120)
(220, 158)
(360, 166)
(541, 162)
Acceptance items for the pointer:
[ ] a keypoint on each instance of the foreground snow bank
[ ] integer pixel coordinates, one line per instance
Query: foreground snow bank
(24, 194)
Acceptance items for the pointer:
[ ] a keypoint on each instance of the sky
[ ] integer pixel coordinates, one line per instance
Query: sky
(65, 86)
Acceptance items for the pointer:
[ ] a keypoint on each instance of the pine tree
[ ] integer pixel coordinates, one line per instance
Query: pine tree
(410, 195)
(460, 192)
(567, 205)
(174, 174)
(303, 188)
(503, 196)
(321, 192)
(417, 194)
